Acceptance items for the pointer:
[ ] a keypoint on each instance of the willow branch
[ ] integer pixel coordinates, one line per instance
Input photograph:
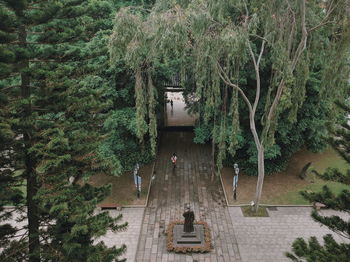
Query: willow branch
(295, 59)
(303, 40)
(320, 25)
(257, 73)
(260, 37)
(291, 34)
(261, 52)
(247, 13)
(324, 20)
(227, 81)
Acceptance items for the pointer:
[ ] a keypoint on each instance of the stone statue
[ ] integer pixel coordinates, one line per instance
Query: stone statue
(189, 218)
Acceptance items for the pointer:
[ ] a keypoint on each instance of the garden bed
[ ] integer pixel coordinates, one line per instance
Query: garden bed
(248, 212)
(206, 247)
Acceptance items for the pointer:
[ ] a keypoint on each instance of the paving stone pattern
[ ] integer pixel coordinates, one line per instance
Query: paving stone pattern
(235, 238)
(129, 237)
(188, 183)
(265, 239)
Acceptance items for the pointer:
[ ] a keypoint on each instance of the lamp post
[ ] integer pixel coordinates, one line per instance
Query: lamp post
(137, 179)
(235, 181)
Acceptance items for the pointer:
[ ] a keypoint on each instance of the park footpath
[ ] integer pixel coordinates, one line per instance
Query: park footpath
(130, 236)
(266, 239)
(260, 239)
(235, 238)
(190, 182)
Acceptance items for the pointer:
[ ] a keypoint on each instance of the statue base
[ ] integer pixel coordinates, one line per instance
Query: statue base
(188, 239)
(188, 242)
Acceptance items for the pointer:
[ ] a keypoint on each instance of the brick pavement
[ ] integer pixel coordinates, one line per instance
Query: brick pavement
(235, 238)
(265, 239)
(188, 183)
(129, 237)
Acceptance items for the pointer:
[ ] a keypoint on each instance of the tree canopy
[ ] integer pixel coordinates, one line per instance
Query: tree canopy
(54, 101)
(249, 63)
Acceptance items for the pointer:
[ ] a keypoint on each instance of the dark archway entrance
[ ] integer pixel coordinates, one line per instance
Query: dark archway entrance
(176, 113)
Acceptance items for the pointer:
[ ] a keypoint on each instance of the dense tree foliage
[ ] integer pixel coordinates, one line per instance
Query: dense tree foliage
(67, 113)
(122, 146)
(312, 250)
(305, 117)
(250, 64)
(55, 97)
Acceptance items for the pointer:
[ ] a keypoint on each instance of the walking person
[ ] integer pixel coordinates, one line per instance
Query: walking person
(171, 103)
(173, 160)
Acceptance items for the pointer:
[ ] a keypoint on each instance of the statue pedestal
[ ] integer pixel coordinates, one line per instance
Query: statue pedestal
(185, 239)
(198, 241)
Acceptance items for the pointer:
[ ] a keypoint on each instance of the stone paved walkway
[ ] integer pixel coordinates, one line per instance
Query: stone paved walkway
(129, 237)
(189, 183)
(265, 239)
(235, 238)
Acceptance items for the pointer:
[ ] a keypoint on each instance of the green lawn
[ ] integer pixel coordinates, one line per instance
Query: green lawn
(247, 212)
(330, 158)
(284, 188)
(123, 190)
(294, 197)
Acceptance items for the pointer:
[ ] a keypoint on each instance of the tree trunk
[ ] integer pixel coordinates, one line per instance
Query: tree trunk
(261, 161)
(212, 159)
(33, 219)
(32, 186)
(261, 175)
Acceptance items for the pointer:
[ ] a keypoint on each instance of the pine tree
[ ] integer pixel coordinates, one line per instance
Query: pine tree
(10, 194)
(55, 109)
(312, 250)
(10, 177)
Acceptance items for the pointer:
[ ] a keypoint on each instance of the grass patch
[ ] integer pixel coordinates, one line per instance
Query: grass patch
(123, 188)
(294, 197)
(330, 158)
(247, 212)
(283, 188)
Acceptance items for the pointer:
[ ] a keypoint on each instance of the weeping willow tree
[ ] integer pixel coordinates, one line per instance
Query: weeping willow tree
(215, 41)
